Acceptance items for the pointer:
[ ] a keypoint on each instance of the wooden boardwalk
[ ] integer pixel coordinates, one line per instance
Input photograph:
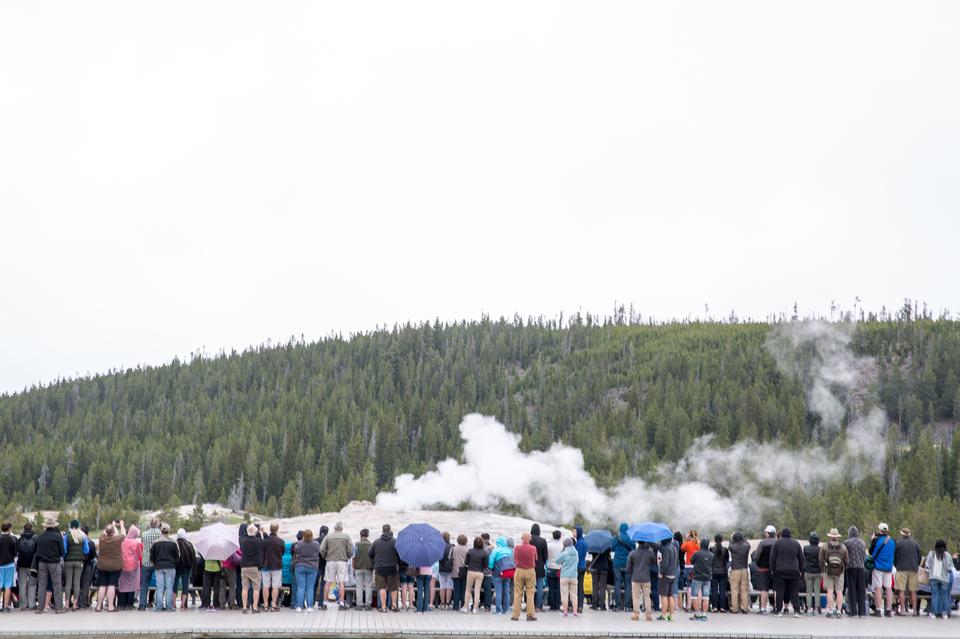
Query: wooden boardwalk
(351, 623)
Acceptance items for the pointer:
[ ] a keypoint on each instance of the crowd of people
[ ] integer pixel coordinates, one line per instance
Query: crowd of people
(126, 569)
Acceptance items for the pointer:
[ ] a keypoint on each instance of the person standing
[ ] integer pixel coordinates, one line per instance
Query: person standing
(568, 561)
(363, 571)
(811, 574)
(525, 576)
(540, 544)
(739, 574)
(459, 571)
(26, 580)
(210, 588)
(89, 569)
(110, 563)
(75, 548)
(639, 562)
(702, 579)
(475, 561)
(185, 567)
(786, 566)
(719, 581)
(251, 561)
(856, 573)
(336, 548)
(937, 563)
(669, 565)
(600, 569)
(833, 565)
(49, 559)
(386, 569)
(761, 556)
(150, 536)
(906, 560)
(271, 576)
(8, 558)
(882, 549)
(503, 567)
(445, 568)
(487, 589)
(581, 546)
(552, 569)
(129, 580)
(622, 546)
(306, 564)
(164, 554)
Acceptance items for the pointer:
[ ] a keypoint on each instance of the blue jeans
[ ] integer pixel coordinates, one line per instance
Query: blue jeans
(538, 593)
(622, 592)
(939, 597)
(487, 587)
(655, 588)
(306, 580)
(503, 589)
(459, 586)
(146, 572)
(181, 582)
(163, 597)
(423, 593)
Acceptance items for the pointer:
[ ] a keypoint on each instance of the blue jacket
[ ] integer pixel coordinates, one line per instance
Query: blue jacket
(883, 557)
(581, 546)
(568, 560)
(622, 546)
(500, 550)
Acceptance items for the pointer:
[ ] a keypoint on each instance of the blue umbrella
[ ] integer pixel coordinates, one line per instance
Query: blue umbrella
(420, 545)
(598, 540)
(649, 531)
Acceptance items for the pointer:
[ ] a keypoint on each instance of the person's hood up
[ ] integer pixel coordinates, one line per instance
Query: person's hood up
(501, 542)
(579, 530)
(29, 534)
(853, 531)
(387, 536)
(535, 529)
(623, 528)
(786, 533)
(737, 537)
(133, 532)
(324, 530)
(814, 538)
(243, 530)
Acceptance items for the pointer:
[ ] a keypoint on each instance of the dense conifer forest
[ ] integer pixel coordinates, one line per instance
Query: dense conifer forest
(306, 426)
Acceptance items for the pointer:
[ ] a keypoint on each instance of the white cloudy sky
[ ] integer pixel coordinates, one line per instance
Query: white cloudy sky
(178, 175)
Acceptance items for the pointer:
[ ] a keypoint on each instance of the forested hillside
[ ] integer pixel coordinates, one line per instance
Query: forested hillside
(306, 426)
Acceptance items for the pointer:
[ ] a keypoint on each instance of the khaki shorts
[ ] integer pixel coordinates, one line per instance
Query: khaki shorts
(906, 581)
(272, 578)
(336, 571)
(250, 576)
(881, 579)
(833, 584)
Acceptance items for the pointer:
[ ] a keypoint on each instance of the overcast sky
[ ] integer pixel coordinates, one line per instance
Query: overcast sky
(186, 175)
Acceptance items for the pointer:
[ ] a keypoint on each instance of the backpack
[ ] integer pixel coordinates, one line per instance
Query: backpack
(446, 563)
(834, 560)
(27, 546)
(504, 564)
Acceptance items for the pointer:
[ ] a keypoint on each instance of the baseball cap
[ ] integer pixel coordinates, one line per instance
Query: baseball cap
(770, 529)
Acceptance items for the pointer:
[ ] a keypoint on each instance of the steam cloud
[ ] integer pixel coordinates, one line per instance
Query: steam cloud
(708, 487)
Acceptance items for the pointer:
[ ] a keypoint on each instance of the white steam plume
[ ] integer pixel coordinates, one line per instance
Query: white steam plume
(708, 487)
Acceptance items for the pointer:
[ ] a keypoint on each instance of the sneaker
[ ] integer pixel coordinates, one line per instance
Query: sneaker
(564, 614)
(298, 609)
(476, 611)
(797, 615)
(246, 611)
(310, 610)
(694, 617)
(661, 618)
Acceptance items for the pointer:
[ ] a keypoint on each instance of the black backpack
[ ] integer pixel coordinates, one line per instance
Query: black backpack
(446, 563)
(27, 546)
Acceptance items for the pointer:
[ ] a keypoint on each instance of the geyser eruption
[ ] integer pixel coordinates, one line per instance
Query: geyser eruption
(710, 487)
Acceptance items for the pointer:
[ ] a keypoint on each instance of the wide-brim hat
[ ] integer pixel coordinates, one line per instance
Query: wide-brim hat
(834, 533)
